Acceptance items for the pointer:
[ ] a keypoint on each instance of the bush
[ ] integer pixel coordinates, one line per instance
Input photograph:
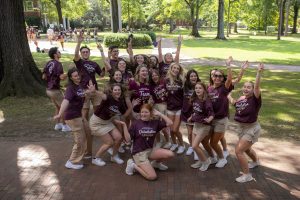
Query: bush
(121, 40)
(151, 34)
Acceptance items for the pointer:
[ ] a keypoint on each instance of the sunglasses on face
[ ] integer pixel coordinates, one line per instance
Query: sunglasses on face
(116, 51)
(85, 52)
(218, 76)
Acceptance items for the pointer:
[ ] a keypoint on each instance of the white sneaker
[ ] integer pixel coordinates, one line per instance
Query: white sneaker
(196, 164)
(225, 154)
(173, 147)
(189, 151)
(221, 163)
(252, 165)
(167, 145)
(58, 126)
(205, 165)
(87, 157)
(180, 149)
(213, 160)
(70, 165)
(121, 149)
(196, 156)
(65, 128)
(159, 165)
(98, 162)
(158, 145)
(110, 151)
(130, 167)
(117, 159)
(244, 178)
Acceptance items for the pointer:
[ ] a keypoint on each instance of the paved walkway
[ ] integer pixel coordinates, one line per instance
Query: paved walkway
(170, 47)
(35, 170)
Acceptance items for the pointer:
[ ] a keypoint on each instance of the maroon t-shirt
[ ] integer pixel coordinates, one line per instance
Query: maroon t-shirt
(141, 91)
(202, 110)
(187, 108)
(219, 100)
(247, 109)
(126, 76)
(114, 64)
(87, 70)
(175, 95)
(143, 134)
(75, 95)
(159, 92)
(110, 107)
(163, 69)
(53, 69)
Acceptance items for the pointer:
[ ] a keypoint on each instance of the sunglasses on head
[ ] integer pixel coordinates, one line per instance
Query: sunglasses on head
(218, 76)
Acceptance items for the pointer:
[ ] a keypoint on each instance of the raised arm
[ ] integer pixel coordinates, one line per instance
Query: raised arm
(129, 107)
(245, 65)
(80, 38)
(130, 51)
(180, 38)
(260, 69)
(160, 56)
(231, 99)
(229, 72)
(168, 121)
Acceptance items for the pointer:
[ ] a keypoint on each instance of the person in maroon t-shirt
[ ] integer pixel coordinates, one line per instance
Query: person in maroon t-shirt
(71, 108)
(113, 106)
(247, 109)
(191, 79)
(174, 84)
(142, 133)
(202, 115)
(153, 63)
(159, 94)
(87, 70)
(165, 61)
(122, 67)
(53, 73)
(218, 93)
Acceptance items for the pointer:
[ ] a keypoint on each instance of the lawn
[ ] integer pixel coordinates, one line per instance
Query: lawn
(279, 115)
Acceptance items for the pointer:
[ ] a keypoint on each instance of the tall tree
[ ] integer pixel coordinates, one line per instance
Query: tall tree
(220, 34)
(194, 7)
(115, 15)
(287, 15)
(295, 17)
(280, 19)
(57, 4)
(19, 74)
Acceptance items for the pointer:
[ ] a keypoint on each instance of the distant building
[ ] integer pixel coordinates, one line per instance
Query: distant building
(31, 8)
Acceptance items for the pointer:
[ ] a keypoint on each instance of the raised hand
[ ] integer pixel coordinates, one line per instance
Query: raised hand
(180, 38)
(245, 65)
(136, 102)
(156, 112)
(91, 87)
(158, 39)
(260, 67)
(80, 37)
(229, 61)
(99, 46)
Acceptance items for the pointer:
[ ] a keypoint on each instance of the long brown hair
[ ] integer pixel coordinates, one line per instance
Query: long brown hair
(205, 92)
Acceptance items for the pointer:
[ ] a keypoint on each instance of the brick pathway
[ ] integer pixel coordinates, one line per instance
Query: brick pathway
(35, 170)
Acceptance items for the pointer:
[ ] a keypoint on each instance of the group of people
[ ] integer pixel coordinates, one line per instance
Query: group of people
(144, 103)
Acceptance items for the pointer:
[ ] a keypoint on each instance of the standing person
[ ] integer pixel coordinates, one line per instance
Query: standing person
(141, 90)
(61, 39)
(247, 109)
(189, 85)
(71, 108)
(218, 93)
(101, 123)
(202, 116)
(158, 92)
(142, 133)
(174, 85)
(87, 71)
(165, 61)
(113, 56)
(53, 73)
(50, 34)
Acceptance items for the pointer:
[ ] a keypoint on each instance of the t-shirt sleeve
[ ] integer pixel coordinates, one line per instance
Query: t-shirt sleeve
(78, 64)
(209, 108)
(60, 69)
(161, 124)
(98, 69)
(258, 100)
(69, 94)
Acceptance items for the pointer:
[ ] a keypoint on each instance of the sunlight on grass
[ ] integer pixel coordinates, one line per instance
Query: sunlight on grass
(285, 117)
(285, 91)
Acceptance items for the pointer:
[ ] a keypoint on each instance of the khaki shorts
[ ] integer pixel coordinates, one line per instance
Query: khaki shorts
(219, 125)
(56, 96)
(95, 98)
(100, 127)
(175, 112)
(249, 132)
(142, 157)
(201, 129)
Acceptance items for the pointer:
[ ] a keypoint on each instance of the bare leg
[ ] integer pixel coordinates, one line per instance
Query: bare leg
(241, 147)
(146, 170)
(196, 141)
(206, 145)
(216, 137)
(107, 141)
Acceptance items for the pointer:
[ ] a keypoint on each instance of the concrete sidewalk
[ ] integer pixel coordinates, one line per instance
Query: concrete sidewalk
(35, 170)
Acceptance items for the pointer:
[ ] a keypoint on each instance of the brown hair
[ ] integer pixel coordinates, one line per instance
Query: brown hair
(205, 92)
(148, 107)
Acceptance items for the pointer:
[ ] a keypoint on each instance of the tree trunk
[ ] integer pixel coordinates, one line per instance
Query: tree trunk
(220, 34)
(235, 28)
(59, 12)
(287, 17)
(280, 19)
(115, 15)
(195, 31)
(296, 12)
(283, 17)
(20, 76)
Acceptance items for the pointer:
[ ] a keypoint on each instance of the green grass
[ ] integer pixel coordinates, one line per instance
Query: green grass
(279, 115)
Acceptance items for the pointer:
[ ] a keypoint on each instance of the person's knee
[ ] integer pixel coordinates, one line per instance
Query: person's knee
(238, 151)
(151, 177)
(170, 154)
(195, 145)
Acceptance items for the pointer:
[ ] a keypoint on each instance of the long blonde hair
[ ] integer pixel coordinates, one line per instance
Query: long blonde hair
(137, 77)
(180, 76)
